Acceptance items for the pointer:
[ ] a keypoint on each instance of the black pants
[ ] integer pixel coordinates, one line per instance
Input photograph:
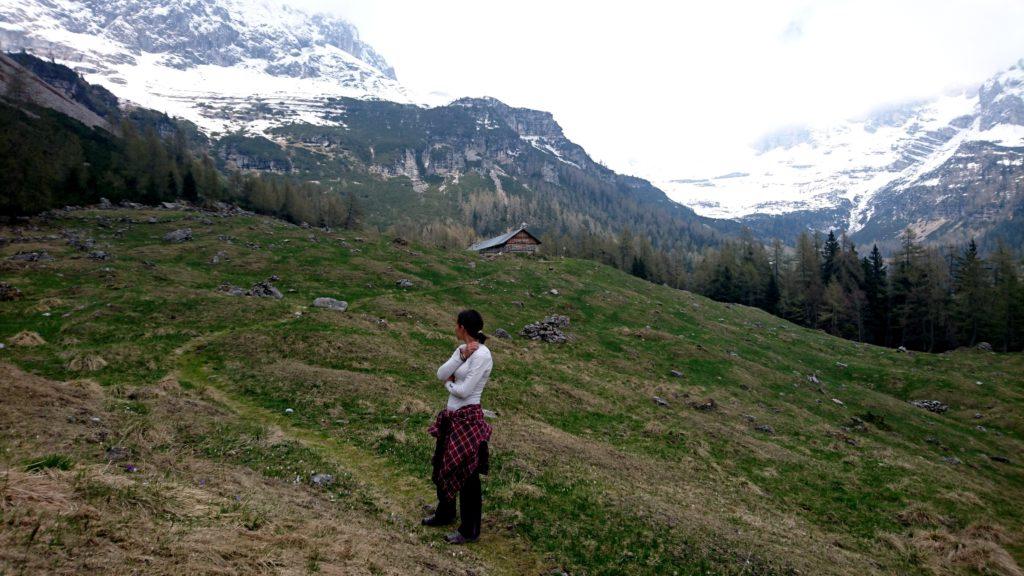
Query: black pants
(470, 507)
(470, 496)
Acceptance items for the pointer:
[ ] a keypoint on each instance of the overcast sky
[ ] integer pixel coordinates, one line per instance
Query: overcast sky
(680, 89)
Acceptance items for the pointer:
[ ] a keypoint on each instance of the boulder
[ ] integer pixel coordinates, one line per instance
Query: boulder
(178, 236)
(502, 334)
(321, 480)
(930, 405)
(548, 330)
(98, 255)
(40, 256)
(764, 429)
(330, 304)
(660, 401)
(404, 283)
(231, 289)
(265, 289)
(983, 346)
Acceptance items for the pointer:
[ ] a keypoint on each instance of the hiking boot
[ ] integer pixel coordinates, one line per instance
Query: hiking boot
(457, 538)
(434, 520)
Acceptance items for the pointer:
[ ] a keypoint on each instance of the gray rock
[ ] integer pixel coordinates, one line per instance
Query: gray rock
(660, 401)
(1000, 459)
(265, 289)
(930, 405)
(983, 346)
(490, 414)
(219, 257)
(548, 330)
(404, 283)
(330, 304)
(518, 304)
(321, 480)
(231, 289)
(951, 460)
(841, 365)
(98, 255)
(553, 292)
(40, 256)
(902, 349)
(764, 428)
(676, 373)
(151, 220)
(105, 204)
(289, 411)
(813, 379)
(178, 236)
(502, 334)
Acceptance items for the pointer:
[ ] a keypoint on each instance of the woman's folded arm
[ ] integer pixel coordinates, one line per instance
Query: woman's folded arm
(448, 368)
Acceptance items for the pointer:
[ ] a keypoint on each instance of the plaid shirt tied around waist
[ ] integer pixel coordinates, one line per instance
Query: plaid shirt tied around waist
(461, 436)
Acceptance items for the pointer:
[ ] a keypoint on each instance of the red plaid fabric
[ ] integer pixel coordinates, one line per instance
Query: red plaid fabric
(461, 432)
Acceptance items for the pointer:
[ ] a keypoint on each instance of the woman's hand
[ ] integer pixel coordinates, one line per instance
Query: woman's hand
(467, 350)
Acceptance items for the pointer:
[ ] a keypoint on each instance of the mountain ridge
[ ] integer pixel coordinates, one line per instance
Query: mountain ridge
(874, 176)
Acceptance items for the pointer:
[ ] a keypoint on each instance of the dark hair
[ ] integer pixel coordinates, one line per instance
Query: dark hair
(473, 322)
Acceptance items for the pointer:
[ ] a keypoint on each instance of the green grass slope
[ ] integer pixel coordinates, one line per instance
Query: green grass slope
(812, 460)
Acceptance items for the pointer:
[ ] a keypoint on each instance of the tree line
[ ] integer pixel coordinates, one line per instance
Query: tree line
(48, 160)
(925, 298)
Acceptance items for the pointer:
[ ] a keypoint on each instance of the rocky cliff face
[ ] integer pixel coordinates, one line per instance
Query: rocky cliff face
(225, 65)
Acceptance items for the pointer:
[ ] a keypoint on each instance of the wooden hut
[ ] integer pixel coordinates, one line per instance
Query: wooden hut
(518, 241)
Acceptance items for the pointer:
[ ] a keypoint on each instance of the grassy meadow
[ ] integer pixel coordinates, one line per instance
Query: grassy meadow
(162, 426)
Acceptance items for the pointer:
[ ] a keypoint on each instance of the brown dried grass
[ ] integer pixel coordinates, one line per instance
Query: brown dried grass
(976, 548)
(87, 363)
(27, 339)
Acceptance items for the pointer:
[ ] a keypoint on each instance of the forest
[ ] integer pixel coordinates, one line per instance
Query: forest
(923, 297)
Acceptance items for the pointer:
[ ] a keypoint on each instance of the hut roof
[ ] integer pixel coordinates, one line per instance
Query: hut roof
(500, 240)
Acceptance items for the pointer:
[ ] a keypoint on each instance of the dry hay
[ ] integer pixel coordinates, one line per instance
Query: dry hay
(976, 548)
(921, 516)
(48, 415)
(179, 514)
(26, 338)
(86, 363)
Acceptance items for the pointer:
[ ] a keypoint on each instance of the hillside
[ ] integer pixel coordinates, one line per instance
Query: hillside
(159, 423)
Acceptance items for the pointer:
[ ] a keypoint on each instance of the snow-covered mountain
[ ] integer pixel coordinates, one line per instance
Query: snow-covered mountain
(223, 64)
(944, 166)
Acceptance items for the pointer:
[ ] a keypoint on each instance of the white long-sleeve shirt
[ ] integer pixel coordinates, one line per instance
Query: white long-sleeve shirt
(470, 377)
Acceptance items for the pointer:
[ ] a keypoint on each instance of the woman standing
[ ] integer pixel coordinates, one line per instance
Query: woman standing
(460, 455)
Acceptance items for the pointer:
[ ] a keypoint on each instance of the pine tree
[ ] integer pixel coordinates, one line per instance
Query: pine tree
(829, 257)
(969, 294)
(1007, 308)
(876, 292)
